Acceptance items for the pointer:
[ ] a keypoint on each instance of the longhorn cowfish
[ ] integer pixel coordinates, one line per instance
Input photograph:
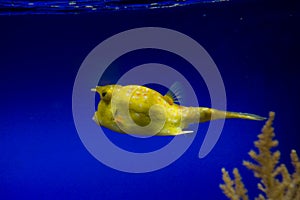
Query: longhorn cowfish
(135, 109)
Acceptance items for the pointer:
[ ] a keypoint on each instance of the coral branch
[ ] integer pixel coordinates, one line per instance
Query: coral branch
(233, 189)
(276, 183)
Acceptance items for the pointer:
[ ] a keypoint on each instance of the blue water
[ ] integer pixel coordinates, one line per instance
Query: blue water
(15, 7)
(255, 46)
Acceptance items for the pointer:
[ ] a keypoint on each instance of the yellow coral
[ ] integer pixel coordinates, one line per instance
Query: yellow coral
(234, 189)
(266, 168)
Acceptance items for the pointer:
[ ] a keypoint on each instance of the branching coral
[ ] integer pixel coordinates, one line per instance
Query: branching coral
(276, 183)
(234, 189)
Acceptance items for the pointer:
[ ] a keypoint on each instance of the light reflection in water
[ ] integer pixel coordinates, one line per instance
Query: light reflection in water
(88, 6)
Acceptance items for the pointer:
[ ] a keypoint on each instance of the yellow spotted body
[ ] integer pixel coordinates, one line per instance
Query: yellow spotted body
(137, 109)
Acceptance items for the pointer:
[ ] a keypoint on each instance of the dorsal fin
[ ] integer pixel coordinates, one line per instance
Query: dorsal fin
(175, 94)
(169, 98)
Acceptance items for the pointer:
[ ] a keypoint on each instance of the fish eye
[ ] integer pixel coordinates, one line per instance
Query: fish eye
(103, 94)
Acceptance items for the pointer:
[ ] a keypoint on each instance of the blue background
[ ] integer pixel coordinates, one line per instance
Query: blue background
(255, 46)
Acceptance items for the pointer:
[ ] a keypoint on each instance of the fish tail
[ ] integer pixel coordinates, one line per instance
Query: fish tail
(244, 116)
(202, 114)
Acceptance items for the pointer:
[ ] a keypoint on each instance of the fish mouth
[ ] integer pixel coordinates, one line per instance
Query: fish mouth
(95, 119)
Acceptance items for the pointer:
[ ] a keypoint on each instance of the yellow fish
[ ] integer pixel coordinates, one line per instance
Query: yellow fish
(135, 109)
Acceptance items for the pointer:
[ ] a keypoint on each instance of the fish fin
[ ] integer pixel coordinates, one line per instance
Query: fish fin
(244, 116)
(175, 94)
(169, 98)
(253, 116)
